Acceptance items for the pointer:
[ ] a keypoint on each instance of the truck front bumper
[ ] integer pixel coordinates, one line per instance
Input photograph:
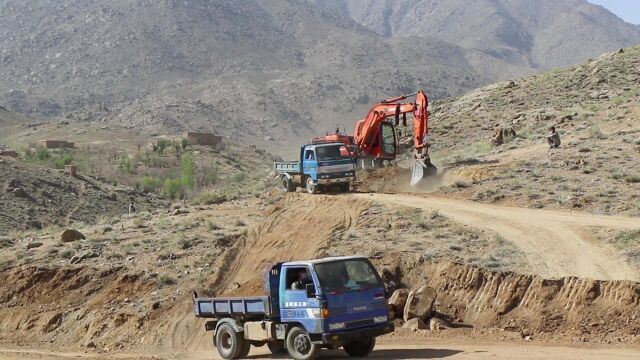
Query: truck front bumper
(335, 181)
(343, 337)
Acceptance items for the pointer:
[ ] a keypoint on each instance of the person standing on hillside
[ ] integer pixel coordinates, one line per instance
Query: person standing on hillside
(553, 139)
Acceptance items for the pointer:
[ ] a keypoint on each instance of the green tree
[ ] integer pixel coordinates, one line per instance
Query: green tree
(172, 187)
(184, 143)
(188, 167)
(162, 144)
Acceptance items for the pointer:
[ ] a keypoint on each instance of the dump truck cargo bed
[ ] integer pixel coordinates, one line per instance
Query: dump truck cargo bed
(229, 306)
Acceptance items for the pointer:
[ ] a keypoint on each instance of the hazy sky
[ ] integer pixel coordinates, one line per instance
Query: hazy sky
(628, 10)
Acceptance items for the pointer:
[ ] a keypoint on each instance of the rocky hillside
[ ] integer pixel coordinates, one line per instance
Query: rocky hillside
(595, 107)
(33, 196)
(516, 36)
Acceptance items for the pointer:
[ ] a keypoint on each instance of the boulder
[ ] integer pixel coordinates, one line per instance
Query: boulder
(438, 324)
(83, 256)
(398, 300)
(415, 325)
(70, 235)
(420, 303)
(33, 245)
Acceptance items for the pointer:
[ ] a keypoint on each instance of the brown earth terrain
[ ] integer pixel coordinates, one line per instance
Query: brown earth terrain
(528, 250)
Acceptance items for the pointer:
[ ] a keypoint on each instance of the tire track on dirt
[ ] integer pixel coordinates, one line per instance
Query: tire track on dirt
(554, 242)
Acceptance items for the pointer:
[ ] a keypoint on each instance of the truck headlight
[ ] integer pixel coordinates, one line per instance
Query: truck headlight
(336, 326)
(348, 174)
(380, 319)
(324, 176)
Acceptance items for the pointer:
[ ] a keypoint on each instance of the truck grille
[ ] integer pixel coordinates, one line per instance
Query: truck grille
(339, 311)
(359, 323)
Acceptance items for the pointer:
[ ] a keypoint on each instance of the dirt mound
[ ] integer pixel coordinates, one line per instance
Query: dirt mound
(592, 310)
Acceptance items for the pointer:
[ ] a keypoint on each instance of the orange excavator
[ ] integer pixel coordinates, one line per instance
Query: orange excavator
(375, 141)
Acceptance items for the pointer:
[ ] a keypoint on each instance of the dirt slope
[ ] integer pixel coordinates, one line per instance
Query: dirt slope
(556, 243)
(301, 228)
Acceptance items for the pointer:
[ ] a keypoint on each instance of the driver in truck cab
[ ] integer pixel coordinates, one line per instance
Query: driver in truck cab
(303, 280)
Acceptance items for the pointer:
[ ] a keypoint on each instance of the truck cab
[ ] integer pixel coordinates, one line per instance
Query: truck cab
(323, 303)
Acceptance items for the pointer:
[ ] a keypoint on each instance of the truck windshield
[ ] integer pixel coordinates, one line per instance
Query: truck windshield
(347, 275)
(337, 152)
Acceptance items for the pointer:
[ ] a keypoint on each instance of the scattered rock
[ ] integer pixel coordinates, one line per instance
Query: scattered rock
(420, 303)
(70, 235)
(91, 345)
(415, 324)
(398, 300)
(35, 224)
(438, 324)
(155, 305)
(33, 245)
(179, 212)
(18, 192)
(81, 257)
(584, 150)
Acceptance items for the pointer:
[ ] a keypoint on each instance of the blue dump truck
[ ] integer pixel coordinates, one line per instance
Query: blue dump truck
(320, 167)
(325, 303)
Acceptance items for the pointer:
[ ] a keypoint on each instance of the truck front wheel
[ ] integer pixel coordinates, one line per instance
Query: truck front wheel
(360, 348)
(230, 343)
(299, 345)
(311, 187)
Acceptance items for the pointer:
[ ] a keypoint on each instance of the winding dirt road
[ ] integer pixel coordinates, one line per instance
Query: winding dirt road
(556, 243)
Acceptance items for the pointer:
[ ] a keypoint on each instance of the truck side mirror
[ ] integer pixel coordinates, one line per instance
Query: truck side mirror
(310, 290)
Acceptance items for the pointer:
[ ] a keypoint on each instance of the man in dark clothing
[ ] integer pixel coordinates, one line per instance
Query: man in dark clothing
(302, 281)
(553, 139)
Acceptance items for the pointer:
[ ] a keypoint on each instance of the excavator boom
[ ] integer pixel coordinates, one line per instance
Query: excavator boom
(375, 137)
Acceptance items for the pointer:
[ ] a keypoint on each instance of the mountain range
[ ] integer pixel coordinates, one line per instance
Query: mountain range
(277, 70)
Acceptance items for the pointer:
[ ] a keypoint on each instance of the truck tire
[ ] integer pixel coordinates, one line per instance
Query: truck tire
(299, 345)
(277, 347)
(229, 342)
(360, 348)
(287, 185)
(345, 187)
(311, 187)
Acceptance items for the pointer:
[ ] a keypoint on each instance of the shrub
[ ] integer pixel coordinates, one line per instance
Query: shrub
(42, 154)
(239, 178)
(187, 171)
(632, 179)
(126, 165)
(172, 187)
(165, 280)
(150, 184)
(211, 198)
(162, 144)
(65, 159)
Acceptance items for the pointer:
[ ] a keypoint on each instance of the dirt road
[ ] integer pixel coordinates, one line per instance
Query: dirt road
(386, 349)
(556, 243)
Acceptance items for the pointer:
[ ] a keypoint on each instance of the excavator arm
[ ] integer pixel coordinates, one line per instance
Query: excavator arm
(367, 129)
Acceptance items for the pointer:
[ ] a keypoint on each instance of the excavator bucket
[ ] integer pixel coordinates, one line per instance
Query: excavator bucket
(422, 168)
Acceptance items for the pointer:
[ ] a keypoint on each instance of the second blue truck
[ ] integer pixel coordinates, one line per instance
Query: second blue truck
(320, 167)
(308, 305)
